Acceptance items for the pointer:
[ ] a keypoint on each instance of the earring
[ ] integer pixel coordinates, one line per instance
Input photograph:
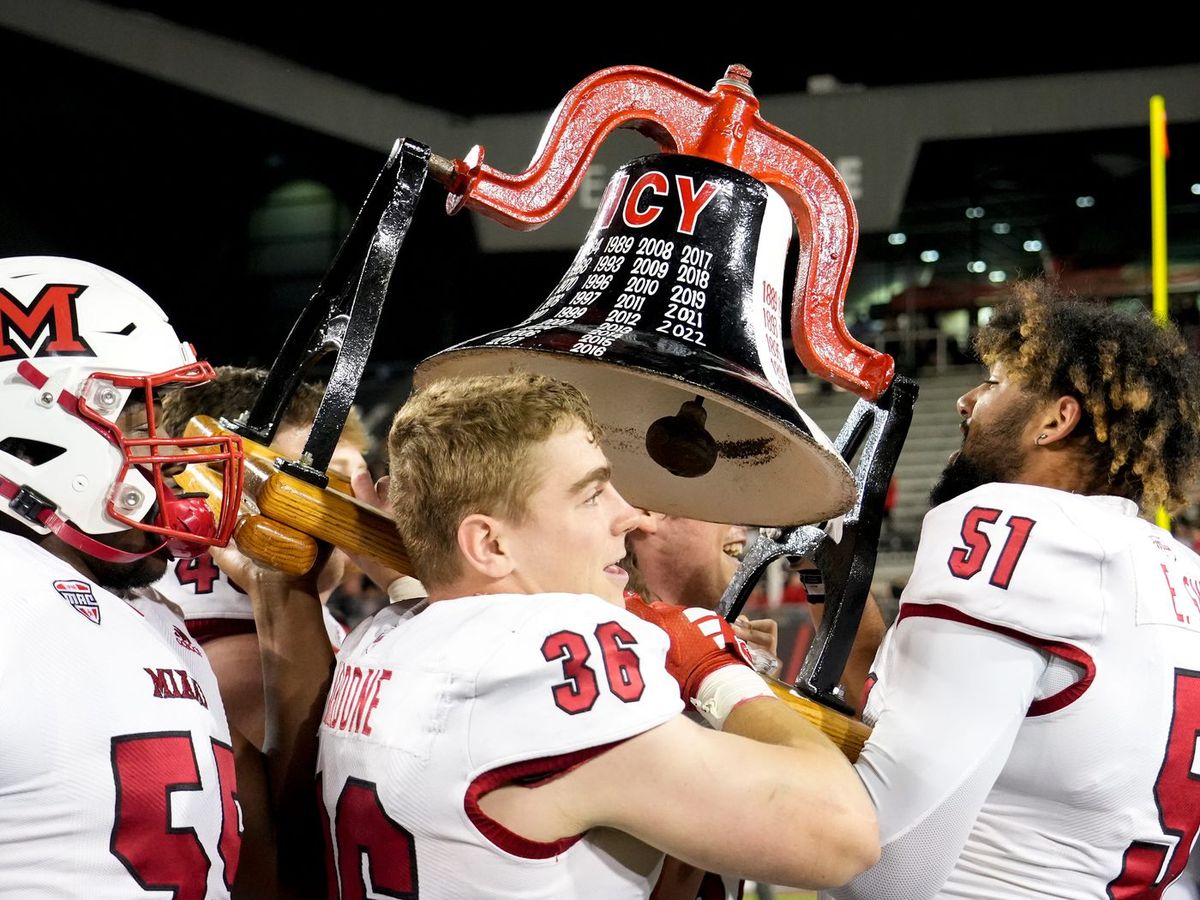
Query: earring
(1041, 437)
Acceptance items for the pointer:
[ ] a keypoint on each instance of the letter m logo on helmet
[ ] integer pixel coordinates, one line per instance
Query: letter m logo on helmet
(48, 326)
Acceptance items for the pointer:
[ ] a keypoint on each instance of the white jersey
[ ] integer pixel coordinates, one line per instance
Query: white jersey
(471, 695)
(214, 606)
(1038, 705)
(116, 765)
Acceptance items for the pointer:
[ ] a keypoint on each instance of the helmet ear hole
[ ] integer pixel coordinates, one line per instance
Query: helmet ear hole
(31, 452)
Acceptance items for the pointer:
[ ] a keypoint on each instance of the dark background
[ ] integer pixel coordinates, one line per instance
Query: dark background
(164, 185)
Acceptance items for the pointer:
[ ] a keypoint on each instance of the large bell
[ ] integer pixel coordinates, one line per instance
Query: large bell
(668, 320)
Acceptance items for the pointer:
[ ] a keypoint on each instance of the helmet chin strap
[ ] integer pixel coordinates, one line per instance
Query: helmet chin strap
(69, 534)
(31, 506)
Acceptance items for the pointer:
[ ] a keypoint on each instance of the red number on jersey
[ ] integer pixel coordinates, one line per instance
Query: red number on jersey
(967, 562)
(362, 829)
(579, 692)
(148, 769)
(230, 846)
(331, 875)
(201, 572)
(1150, 866)
(621, 665)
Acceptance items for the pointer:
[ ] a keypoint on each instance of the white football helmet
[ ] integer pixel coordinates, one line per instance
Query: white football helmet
(77, 343)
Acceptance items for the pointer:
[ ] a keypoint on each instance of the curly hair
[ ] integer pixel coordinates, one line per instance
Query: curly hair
(1137, 384)
(463, 445)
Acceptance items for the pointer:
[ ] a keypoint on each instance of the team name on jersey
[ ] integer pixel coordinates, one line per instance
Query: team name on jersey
(176, 684)
(354, 697)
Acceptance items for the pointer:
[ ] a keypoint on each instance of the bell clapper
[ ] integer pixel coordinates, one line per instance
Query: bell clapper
(681, 444)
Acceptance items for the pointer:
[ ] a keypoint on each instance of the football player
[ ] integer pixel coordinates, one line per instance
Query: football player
(118, 765)
(523, 736)
(678, 557)
(1037, 701)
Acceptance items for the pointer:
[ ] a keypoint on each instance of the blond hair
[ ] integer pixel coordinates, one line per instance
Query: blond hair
(462, 446)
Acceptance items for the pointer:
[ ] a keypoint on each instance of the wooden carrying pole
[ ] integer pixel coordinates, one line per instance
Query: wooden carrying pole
(847, 734)
(269, 542)
(285, 516)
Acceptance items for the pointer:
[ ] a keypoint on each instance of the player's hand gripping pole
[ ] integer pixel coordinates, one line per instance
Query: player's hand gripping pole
(715, 674)
(722, 125)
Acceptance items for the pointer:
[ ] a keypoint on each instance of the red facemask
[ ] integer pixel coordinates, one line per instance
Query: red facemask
(188, 524)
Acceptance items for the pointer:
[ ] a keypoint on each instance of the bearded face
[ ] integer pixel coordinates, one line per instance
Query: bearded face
(998, 417)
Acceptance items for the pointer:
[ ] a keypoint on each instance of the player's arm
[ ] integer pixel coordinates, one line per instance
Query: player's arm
(956, 695)
(1004, 580)
(784, 804)
(871, 629)
(717, 801)
(787, 772)
(235, 660)
(296, 660)
(257, 872)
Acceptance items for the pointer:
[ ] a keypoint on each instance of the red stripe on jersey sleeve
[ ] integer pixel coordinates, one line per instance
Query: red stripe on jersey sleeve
(530, 772)
(205, 630)
(1068, 652)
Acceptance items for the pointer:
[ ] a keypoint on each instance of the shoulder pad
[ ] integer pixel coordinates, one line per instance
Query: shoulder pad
(569, 672)
(1017, 556)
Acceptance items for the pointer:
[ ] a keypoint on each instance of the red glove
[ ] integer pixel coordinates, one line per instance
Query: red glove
(701, 642)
